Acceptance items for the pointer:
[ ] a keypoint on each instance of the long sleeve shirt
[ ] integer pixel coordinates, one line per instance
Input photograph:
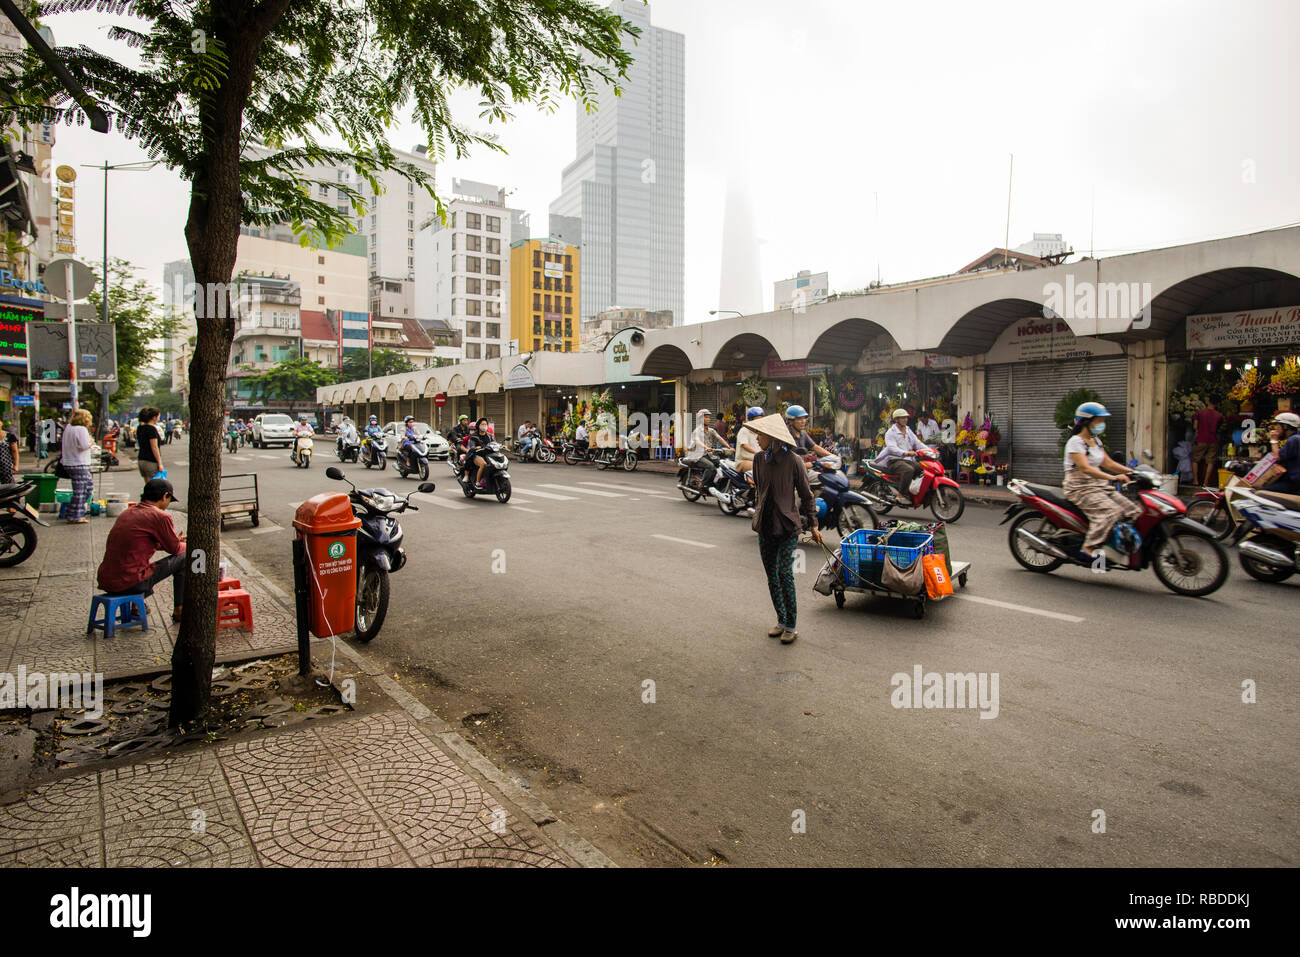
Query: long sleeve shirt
(703, 440)
(898, 442)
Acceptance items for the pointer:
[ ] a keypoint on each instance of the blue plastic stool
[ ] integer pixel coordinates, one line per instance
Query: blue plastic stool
(120, 611)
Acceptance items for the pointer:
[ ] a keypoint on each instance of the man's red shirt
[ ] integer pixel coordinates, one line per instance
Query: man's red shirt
(136, 535)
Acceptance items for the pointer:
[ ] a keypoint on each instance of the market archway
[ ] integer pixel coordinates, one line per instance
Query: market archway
(745, 351)
(666, 362)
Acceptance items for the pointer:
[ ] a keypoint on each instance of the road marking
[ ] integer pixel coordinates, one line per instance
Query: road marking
(550, 495)
(621, 488)
(684, 541)
(270, 458)
(1074, 619)
(520, 508)
(294, 504)
(584, 491)
(441, 502)
(263, 531)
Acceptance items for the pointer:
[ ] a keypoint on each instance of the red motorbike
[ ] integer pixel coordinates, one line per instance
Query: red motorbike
(937, 492)
(1047, 531)
(1211, 508)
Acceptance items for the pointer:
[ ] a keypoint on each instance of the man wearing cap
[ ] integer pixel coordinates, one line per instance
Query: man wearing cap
(1284, 434)
(901, 446)
(140, 531)
(703, 442)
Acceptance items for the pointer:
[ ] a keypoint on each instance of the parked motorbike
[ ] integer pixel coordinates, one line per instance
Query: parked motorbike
(17, 534)
(496, 478)
(733, 489)
(414, 458)
(542, 449)
(1213, 507)
(845, 509)
(301, 454)
(347, 451)
(374, 452)
(379, 548)
(1047, 531)
(935, 491)
(1267, 534)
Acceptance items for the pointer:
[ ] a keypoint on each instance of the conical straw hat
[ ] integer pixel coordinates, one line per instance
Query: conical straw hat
(773, 425)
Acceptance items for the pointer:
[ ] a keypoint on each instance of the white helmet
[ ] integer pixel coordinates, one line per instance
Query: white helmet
(1289, 419)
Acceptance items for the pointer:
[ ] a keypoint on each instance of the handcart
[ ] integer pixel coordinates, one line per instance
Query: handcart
(861, 560)
(239, 497)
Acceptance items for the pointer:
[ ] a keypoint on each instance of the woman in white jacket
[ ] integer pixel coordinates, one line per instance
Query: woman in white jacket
(76, 459)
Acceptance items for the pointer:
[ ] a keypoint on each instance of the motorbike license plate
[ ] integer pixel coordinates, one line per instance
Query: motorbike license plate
(27, 507)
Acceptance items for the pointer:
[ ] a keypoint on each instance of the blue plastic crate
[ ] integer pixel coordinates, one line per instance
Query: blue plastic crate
(863, 554)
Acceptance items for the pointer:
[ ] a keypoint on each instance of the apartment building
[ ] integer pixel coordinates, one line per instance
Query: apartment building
(545, 303)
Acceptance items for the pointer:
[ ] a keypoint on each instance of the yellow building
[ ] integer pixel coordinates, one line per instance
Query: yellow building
(544, 310)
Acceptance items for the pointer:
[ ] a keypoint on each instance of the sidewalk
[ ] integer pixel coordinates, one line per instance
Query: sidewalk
(394, 786)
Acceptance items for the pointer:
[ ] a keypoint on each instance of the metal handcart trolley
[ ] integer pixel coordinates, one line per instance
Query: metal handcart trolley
(239, 497)
(860, 564)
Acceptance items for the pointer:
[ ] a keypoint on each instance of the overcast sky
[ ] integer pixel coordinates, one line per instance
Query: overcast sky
(1179, 117)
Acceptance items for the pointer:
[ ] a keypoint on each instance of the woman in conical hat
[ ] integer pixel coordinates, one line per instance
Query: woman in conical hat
(778, 477)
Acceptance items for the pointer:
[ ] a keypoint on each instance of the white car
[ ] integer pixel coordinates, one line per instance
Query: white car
(272, 428)
(437, 445)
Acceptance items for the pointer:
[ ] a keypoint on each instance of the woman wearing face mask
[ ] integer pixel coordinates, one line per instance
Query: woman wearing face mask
(479, 440)
(1088, 474)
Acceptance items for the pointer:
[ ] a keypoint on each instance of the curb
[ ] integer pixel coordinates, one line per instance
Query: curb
(555, 830)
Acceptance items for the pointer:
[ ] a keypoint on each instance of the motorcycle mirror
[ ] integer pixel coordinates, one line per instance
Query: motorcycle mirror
(426, 487)
(334, 473)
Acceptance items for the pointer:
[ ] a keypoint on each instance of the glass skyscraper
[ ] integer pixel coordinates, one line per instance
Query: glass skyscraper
(622, 200)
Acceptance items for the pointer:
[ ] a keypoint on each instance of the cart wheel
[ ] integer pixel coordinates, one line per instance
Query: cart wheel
(961, 579)
(253, 516)
(918, 609)
(839, 599)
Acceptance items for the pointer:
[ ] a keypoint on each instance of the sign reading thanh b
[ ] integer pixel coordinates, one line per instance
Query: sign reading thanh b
(1240, 330)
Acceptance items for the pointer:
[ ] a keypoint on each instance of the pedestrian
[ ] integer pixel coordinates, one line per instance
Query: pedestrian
(76, 459)
(139, 532)
(779, 476)
(149, 457)
(1206, 449)
(8, 454)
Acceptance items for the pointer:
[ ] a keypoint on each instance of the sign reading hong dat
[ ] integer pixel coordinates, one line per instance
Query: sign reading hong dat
(1241, 330)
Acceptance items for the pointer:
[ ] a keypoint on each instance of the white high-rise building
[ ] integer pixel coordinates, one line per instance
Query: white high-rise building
(463, 267)
(623, 198)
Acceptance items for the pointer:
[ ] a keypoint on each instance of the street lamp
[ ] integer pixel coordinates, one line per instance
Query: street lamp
(714, 312)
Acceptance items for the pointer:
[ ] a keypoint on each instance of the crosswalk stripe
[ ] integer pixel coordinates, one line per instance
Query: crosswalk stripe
(520, 508)
(270, 458)
(684, 541)
(441, 502)
(585, 491)
(550, 495)
(621, 488)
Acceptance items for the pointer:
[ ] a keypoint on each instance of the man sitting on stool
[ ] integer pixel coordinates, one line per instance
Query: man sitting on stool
(145, 528)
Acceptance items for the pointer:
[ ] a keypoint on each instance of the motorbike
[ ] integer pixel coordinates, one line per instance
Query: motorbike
(935, 490)
(845, 509)
(414, 458)
(379, 548)
(733, 489)
(301, 454)
(1267, 534)
(496, 478)
(347, 451)
(542, 449)
(374, 452)
(17, 536)
(1047, 530)
(1213, 508)
(690, 478)
(232, 440)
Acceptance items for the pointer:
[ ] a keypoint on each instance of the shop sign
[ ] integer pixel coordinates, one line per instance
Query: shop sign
(65, 237)
(793, 369)
(520, 378)
(934, 360)
(618, 358)
(883, 355)
(553, 270)
(1036, 339)
(1234, 330)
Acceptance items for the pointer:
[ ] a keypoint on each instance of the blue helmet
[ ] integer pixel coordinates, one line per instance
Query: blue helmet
(796, 412)
(1089, 410)
(753, 412)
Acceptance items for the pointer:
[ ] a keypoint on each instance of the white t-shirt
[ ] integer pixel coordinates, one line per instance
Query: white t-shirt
(580, 434)
(746, 436)
(1076, 443)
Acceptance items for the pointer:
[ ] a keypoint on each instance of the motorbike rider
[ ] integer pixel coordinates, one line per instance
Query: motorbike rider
(1284, 435)
(457, 436)
(526, 438)
(901, 446)
(301, 430)
(704, 442)
(479, 440)
(408, 435)
(747, 440)
(1089, 470)
(580, 439)
(373, 432)
(347, 433)
(796, 418)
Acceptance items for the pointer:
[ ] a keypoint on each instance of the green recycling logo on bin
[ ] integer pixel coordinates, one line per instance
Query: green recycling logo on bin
(336, 550)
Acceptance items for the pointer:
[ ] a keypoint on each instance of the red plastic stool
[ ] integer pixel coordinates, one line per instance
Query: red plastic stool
(227, 584)
(234, 609)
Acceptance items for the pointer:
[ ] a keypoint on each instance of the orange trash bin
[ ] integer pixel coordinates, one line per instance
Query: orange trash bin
(328, 529)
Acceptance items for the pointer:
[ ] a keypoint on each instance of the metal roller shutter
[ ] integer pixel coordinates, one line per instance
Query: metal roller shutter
(703, 397)
(997, 398)
(494, 407)
(1035, 390)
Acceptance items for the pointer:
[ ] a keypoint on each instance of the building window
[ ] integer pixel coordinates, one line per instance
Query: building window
(473, 264)
(493, 287)
(537, 326)
(410, 225)
(410, 262)
(473, 307)
(373, 219)
(324, 190)
(493, 351)
(472, 329)
(320, 280)
(537, 301)
(453, 240)
(494, 245)
(474, 285)
(410, 188)
(374, 240)
(320, 260)
(320, 300)
(568, 328)
(373, 258)
(537, 279)
(474, 243)
(494, 267)
(455, 307)
(493, 308)
(537, 259)
(473, 221)
(410, 242)
(494, 224)
(568, 305)
(410, 207)
(568, 263)
(473, 350)
(537, 343)
(493, 330)
(568, 284)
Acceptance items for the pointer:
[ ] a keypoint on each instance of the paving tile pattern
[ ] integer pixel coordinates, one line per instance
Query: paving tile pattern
(360, 791)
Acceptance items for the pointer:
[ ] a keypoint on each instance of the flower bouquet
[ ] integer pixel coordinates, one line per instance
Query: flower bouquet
(1247, 386)
(1286, 380)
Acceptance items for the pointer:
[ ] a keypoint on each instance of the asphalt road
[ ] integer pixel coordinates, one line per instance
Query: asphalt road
(1114, 695)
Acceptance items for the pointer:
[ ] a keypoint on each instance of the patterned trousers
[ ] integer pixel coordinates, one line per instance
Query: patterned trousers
(778, 562)
(1101, 503)
(82, 486)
